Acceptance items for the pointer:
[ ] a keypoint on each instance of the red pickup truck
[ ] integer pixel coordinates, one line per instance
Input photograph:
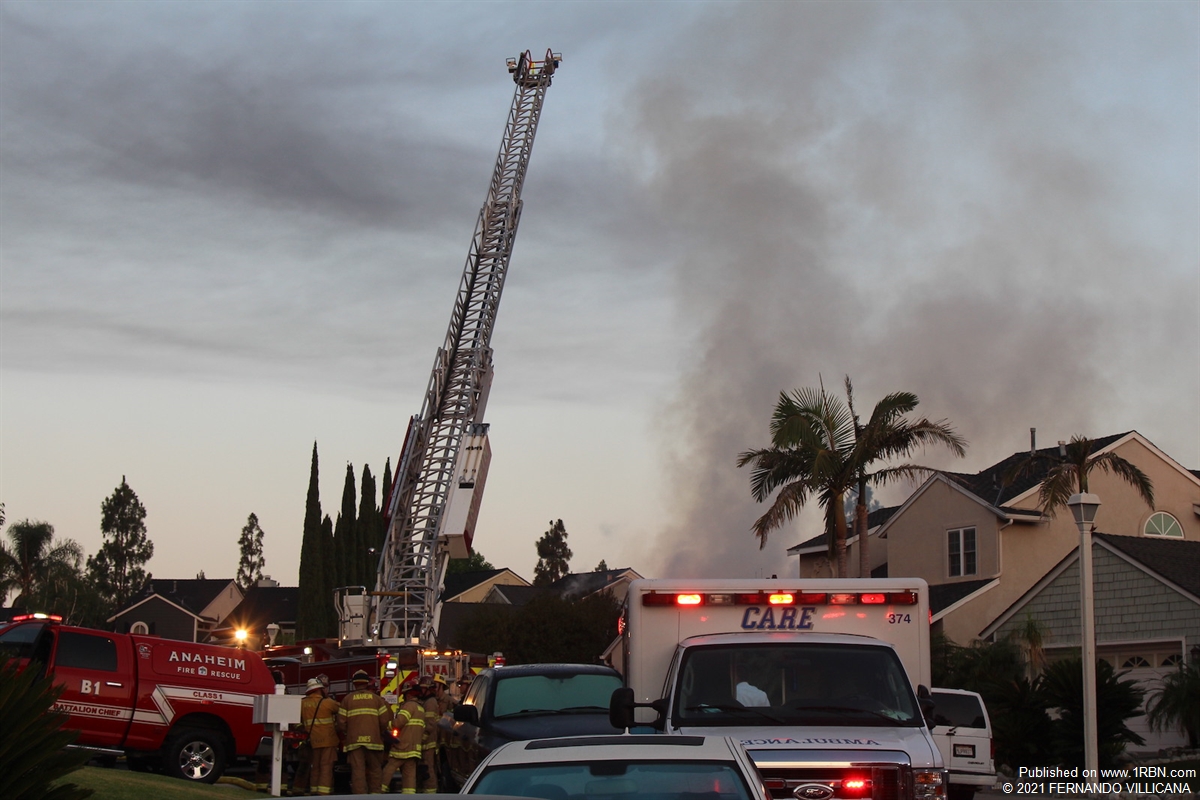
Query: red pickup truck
(182, 707)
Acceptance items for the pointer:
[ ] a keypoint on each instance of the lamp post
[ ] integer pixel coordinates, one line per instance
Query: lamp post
(1083, 507)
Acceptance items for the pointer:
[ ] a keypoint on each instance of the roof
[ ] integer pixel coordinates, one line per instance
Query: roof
(582, 584)
(263, 605)
(190, 594)
(944, 595)
(988, 483)
(458, 582)
(1177, 560)
(874, 520)
(508, 594)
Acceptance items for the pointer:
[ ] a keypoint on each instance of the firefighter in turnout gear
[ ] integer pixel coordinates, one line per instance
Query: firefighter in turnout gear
(318, 716)
(363, 722)
(407, 740)
(429, 702)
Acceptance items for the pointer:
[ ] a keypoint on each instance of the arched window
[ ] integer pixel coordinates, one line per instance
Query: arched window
(1163, 524)
(139, 627)
(1135, 661)
(1173, 660)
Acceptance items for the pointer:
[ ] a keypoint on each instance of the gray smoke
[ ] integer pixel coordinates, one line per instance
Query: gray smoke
(947, 199)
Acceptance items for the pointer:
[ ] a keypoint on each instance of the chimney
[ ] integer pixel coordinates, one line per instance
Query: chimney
(1032, 441)
(1062, 449)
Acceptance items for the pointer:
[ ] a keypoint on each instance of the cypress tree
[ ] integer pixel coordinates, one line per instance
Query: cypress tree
(344, 540)
(328, 614)
(368, 529)
(309, 617)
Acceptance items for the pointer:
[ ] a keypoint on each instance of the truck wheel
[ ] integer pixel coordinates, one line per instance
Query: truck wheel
(961, 792)
(195, 755)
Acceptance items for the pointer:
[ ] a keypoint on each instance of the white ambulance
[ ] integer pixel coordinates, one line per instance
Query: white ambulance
(815, 677)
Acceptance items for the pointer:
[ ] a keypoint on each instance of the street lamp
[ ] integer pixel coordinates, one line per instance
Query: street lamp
(272, 632)
(1083, 508)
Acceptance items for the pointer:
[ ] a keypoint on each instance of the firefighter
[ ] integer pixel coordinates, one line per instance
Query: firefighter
(318, 715)
(429, 702)
(363, 722)
(407, 740)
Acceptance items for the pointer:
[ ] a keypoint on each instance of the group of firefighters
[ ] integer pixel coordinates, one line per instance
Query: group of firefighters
(378, 742)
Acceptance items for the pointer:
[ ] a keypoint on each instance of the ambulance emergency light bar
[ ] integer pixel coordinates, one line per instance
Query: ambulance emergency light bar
(779, 598)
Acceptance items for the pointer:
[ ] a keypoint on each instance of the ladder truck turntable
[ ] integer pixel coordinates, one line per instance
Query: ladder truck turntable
(440, 474)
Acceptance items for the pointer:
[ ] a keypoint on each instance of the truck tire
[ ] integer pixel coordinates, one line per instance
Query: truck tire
(196, 755)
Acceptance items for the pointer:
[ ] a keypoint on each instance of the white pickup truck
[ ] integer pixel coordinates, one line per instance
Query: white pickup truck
(814, 677)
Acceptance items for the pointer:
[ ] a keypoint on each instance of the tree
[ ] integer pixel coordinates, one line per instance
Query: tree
(345, 545)
(35, 565)
(553, 555)
(310, 618)
(1176, 703)
(117, 567)
(1117, 701)
(370, 529)
(601, 567)
(472, 563)
(1066, 473)
(328, 612)
(251, 564)
(34, 759)
(821, 450)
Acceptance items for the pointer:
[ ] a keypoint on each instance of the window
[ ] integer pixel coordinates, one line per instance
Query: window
(139, 627)
(1173, 660)
(1134, 662)
(960, 546)
(1163, 524)
(84, 651)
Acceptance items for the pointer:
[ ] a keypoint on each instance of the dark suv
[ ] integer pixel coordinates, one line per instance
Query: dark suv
(529, 701)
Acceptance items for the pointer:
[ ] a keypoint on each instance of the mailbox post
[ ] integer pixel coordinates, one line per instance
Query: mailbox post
(275, 711)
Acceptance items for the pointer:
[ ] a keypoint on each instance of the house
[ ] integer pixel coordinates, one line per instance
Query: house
(182, 609)
(1147, 611)
(473, 587)
(981, 544)
(267, 614)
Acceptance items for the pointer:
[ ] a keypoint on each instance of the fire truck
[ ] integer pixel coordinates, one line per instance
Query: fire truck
(391, 630)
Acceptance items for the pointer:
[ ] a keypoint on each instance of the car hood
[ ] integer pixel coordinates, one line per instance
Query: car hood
(770, 743)
(551, 726)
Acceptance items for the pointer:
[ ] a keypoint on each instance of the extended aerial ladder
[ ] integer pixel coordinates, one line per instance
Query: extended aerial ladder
(442, 468)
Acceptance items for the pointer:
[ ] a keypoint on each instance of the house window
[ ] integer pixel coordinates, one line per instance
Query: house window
(139, 627)
(1173, 660)
(1133, 662)
(960, 546)
(1163, 524)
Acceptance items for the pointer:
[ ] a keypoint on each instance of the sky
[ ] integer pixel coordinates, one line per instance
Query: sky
(230, 230)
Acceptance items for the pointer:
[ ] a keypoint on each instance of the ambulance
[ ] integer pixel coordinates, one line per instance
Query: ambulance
(815, 677)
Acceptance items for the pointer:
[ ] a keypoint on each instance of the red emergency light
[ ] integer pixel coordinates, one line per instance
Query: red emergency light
(855, 786)
(780, 598)
(38, 615)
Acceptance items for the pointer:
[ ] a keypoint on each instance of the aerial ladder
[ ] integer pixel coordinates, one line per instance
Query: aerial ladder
(442, 468)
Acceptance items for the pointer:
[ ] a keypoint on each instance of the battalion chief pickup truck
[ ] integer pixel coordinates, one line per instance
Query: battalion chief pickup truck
(182, 707)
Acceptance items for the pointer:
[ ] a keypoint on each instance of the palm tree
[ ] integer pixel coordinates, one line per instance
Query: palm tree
(35, 562)
(889, 435)
(1176, 703)
(820, 448)
(1067, 473)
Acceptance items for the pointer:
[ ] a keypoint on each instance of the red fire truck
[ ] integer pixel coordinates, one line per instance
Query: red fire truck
(183, 707)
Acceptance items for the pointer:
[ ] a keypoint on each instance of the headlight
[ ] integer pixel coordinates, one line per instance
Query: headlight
(929, 784)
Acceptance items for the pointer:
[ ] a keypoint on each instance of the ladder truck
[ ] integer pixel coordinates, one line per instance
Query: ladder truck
(442, 468)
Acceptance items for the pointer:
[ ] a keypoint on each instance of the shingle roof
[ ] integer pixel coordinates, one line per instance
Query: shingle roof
(874, 520)
(988, 484)
(1177, 560)
(193, 594)
(944, 595)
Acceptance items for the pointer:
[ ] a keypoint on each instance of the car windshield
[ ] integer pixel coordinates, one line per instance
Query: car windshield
(617, 780)
(523, 694)
(794, 683)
